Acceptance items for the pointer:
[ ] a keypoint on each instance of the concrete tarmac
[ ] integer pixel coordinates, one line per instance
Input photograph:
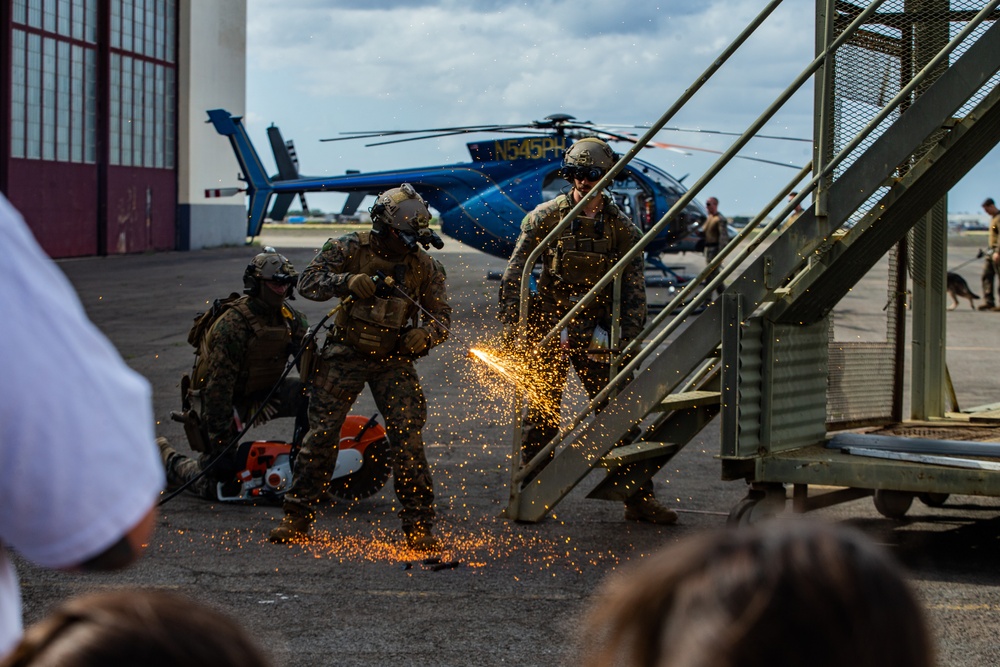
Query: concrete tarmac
(511, 593)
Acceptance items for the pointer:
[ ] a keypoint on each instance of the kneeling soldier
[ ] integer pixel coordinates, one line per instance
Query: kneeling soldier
(242, 347)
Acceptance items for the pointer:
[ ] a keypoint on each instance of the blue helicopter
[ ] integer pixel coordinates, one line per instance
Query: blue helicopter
(480, 203)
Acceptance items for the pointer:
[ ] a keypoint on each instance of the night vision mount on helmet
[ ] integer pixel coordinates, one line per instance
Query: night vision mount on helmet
(589, 158)
(268, 265)
(403, 212)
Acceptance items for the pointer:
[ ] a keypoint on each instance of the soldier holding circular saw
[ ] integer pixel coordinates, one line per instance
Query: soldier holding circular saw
(243, 345)
(574, 263)
(394, 308)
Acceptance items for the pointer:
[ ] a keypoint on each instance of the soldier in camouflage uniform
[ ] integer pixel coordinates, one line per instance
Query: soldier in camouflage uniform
(239, 360)
(379, 332)
(593, 243)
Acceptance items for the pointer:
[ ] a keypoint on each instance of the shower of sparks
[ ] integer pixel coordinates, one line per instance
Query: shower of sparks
(486, 542)
(519, 371)
(489, 359)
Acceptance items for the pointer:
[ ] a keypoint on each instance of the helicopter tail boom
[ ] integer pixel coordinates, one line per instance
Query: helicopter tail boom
(259, 187)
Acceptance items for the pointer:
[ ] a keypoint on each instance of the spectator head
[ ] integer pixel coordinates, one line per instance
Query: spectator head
(782, 593)
(793, 195)
(149, 628)
(989, 206)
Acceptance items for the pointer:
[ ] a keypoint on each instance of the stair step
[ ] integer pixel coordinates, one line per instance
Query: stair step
(985, 416)
(688, 399)
(637, 451)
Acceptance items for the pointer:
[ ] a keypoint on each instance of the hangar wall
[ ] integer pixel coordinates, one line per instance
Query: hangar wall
(212, 74)
(103, 145)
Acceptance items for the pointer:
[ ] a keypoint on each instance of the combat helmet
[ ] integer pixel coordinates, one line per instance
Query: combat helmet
(403, 214)
(589, 157)
(268, 265)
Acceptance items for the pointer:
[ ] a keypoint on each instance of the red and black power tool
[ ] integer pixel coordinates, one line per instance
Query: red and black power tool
(363, 464)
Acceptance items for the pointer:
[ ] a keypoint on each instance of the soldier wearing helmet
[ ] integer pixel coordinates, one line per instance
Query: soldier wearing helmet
(596, 239)
(394, 308)
(242, 347)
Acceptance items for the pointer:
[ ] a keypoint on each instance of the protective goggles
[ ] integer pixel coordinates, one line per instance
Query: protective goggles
(284, 279)
(584, 173)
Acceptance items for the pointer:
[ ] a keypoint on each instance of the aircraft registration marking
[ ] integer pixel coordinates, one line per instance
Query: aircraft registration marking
(534, 148)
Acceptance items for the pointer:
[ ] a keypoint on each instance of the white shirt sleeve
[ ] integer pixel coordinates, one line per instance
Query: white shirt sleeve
(81, 467)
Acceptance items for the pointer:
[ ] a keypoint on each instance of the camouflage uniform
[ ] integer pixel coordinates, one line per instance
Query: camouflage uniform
(222, 382)
(556, 297)
(343, 372)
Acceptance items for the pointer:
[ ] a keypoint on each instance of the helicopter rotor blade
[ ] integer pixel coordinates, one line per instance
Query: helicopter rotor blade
(559, 124)
(449, 134)
(702, 131)
(680, 148)
(458, 129)
(741, 157)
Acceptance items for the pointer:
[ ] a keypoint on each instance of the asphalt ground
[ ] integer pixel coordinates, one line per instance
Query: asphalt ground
(508, 593)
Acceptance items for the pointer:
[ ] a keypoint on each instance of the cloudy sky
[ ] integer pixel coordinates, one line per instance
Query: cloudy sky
(320, 67)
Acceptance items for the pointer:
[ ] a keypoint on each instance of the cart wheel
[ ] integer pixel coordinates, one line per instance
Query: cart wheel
(933, 499)
(752, 509)
(374, 473)
(892, 504)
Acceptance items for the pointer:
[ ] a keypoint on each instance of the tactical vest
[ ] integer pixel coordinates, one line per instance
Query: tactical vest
(265, 357)
(373, 326)
(582, 255)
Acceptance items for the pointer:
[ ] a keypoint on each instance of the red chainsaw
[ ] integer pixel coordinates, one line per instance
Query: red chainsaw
(363, 464)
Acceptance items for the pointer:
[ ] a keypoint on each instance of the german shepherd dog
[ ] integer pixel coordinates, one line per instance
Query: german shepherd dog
(957, 287)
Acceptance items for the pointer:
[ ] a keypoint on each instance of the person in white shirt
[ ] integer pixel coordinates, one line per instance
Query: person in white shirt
(82, 470)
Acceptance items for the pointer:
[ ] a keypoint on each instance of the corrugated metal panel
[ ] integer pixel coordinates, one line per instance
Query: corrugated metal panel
(750, 389)
(794, 410)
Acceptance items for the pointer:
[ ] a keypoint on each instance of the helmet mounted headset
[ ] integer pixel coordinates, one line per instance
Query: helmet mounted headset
(403, 213)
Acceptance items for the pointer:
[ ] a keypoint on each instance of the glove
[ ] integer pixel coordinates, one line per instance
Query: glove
(361, 286)
(415, 341)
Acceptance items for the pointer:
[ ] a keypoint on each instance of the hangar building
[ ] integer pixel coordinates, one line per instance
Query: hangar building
(103, 144)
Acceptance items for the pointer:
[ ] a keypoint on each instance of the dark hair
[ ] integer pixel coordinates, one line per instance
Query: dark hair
(989, 202)
(129, 627)
(789, 592)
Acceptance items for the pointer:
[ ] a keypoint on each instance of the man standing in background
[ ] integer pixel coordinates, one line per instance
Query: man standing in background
(716, 231)
(992, 256)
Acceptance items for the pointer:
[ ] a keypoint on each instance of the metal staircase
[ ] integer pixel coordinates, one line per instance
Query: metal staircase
(771, 324)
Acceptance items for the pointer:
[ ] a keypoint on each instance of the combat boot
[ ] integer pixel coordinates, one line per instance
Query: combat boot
(649, 510)
(292, 527)
(420, 538)
(167, 455)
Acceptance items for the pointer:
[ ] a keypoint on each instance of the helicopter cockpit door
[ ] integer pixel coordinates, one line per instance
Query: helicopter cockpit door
(636, 199)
